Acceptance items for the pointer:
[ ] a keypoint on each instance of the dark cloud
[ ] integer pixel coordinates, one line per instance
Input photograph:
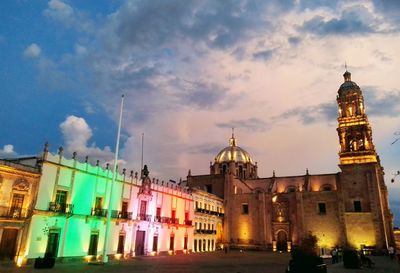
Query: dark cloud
(294, 40)
(384, 105)
(354, 20)
(206, 148)
(381, 105)
(264, 55)
(313, 114)
(251, 124)
(219, 24)
(201, 95)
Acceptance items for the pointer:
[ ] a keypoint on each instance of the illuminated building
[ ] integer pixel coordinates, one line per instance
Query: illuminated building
(349, 208)
(68, 220)
(208, 221)
(18, 189)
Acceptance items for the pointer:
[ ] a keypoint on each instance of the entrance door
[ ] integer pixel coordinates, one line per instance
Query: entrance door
(52, 245)
(139, 244)
(281, 241)
(8, 243)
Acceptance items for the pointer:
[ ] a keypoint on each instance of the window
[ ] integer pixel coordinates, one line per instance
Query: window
(245, 208)
(357, 206)
(209, 188)
(16, 205)
(155, 243)
(94, 238)
(195, 245)
(158, 212)
(99, 203)
(61, 201)
(173, 214)
(326, 188)
(291, 189)
(124, 210)
(322, 208)
(234, 189)
(197, 204)
(143, 207)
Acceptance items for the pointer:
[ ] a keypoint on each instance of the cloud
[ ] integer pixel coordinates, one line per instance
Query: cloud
(59, 10)
(264, 55)
(251, 124)
(311, 114)
(62, 12)
(32, 51)
(377, 104)
(205, 148)
(77, 133)
(382, 104)
(355, 19)
(8, 151)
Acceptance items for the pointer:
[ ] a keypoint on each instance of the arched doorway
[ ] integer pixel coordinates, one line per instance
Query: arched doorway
(281, 238)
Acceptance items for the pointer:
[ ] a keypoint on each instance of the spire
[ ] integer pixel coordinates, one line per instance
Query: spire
(232, 140)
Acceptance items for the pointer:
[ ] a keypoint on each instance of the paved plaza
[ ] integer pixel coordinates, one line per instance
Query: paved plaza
(217, 262)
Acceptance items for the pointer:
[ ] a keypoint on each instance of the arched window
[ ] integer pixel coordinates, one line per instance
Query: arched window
(291, 189)
(326, 187)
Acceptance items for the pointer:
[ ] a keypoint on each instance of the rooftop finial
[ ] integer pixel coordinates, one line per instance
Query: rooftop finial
(345, 65)
(232, 140)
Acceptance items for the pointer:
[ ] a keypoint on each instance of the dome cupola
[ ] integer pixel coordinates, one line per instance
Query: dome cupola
(235, 160)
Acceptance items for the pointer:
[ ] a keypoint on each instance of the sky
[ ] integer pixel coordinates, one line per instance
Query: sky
(192, 70)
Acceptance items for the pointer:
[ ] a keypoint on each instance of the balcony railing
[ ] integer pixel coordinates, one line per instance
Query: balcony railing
(206, 231)
(99, 212)
(188, 222)
(13, 213)
(144, 217)
(220, 214)
(166, 220)
(157, 219)
(121, 214)
(174, 221)
(61, 207)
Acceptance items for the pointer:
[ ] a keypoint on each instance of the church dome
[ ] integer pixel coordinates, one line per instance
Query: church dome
(233, 153)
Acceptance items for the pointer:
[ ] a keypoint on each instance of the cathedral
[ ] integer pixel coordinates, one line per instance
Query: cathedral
(348, 208)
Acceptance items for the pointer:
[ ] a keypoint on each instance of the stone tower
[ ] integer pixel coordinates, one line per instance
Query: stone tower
(364, 208)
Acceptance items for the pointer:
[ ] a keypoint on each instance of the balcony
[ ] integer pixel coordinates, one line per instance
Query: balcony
(174, 221)
(13, 213)
(144, 217)
(187, 222)
(121, 214)
(166, 220)
(99, 212)
(157, 219)
(61, 207)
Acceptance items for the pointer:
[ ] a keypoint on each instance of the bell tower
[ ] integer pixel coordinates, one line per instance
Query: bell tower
(355, 134)
(363, 200)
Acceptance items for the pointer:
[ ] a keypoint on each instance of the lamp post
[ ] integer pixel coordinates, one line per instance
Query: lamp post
(114, 176)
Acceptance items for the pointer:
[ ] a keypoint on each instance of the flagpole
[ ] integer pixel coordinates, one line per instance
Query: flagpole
(141, 162)
(114, 176)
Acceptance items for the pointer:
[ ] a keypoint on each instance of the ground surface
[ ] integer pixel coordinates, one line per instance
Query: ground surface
(216, 262)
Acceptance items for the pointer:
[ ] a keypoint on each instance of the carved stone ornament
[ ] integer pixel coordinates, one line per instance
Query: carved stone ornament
(145, 189)
(21, 184)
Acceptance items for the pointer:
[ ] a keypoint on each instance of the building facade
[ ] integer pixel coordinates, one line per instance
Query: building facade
(349, 208)
(69, 215)
(208, 221)
(18, 192)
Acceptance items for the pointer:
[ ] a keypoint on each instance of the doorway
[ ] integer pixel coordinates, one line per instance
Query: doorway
(139, 244)
(281, 241)
(8, 243)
